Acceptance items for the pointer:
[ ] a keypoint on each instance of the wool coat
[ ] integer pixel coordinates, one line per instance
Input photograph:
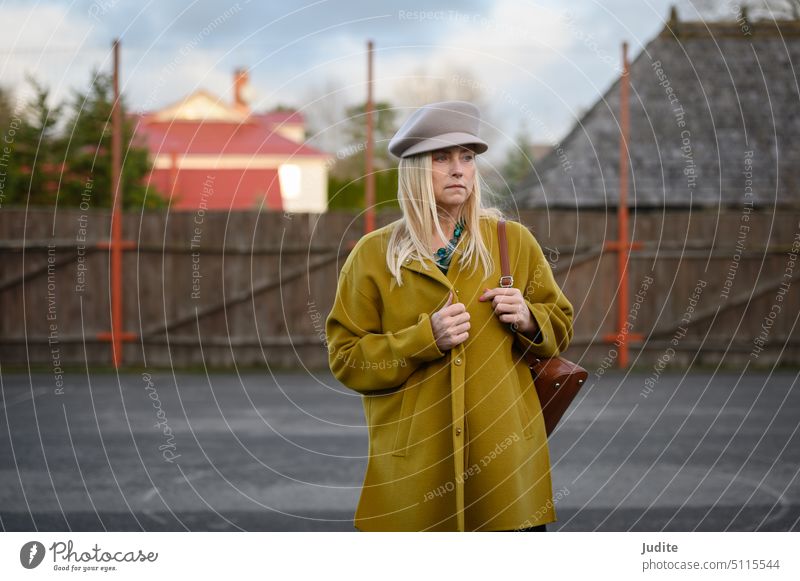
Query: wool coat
(456, 439)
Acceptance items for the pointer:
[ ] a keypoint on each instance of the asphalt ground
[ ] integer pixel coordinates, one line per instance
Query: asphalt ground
(163, 451)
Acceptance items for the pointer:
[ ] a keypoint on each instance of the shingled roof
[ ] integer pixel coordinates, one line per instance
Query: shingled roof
(712, 106)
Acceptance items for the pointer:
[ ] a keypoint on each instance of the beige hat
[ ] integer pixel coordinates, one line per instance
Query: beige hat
(439, 125)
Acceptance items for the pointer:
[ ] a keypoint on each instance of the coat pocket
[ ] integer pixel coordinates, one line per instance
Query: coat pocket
(405, 419)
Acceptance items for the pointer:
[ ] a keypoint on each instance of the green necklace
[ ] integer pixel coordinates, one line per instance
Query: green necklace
(444, 254)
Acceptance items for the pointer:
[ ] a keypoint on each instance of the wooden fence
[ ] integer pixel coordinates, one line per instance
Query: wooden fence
(221, 289)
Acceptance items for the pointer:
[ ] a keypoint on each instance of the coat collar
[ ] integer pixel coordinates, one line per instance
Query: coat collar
(453, 271)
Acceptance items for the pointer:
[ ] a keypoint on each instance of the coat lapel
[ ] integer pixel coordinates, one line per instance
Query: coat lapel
(432, 271)
(455, 263)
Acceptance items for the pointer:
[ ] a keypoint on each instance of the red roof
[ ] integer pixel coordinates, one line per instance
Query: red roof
(256, 136)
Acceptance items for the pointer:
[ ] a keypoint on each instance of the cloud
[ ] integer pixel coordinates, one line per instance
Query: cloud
(48, 42)
(528, 58)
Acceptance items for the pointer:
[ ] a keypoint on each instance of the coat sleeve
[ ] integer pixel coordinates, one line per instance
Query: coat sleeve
(360, 354)
(549, 306)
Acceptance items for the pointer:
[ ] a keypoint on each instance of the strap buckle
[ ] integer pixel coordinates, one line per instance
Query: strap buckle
(506, 281)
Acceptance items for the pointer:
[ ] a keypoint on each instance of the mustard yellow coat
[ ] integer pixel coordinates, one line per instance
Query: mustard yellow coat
(456, 439)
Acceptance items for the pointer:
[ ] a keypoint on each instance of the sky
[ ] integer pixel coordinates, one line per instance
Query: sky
(532, 66)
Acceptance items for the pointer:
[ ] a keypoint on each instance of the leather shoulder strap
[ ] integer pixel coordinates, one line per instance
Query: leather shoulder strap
(506, 280)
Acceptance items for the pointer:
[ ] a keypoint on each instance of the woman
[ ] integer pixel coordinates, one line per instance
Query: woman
(421, 328)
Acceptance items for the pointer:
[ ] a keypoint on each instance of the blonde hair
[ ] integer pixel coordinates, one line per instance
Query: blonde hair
(412, 235)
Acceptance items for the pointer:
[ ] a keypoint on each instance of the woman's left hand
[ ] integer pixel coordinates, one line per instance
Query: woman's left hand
(510, 307)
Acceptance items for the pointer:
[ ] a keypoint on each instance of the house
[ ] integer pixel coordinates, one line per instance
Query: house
(714, 119)
(214, 155)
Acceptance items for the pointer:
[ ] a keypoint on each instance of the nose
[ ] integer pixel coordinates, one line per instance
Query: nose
(456, 168)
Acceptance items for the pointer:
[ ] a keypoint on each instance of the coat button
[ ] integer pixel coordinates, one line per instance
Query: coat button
(458, 360)
(458, 431)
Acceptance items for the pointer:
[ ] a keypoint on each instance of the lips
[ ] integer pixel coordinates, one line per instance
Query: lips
(455, 186)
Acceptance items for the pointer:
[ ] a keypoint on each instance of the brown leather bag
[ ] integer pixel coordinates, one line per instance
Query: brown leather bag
(557, 380)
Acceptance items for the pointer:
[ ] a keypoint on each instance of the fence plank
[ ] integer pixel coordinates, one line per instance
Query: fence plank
(245, 314)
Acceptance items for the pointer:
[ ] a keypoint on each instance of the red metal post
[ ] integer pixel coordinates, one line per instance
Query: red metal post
(623, 255)
(116, 219)
(116, 244)
(369, 201)
(623, 246)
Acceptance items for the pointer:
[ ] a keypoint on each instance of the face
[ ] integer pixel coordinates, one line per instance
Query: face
(453, 176)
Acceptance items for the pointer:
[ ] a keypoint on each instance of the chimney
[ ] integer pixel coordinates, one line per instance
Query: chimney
(241, 78)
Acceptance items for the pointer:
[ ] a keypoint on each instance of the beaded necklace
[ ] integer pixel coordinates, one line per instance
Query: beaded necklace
(443, 255)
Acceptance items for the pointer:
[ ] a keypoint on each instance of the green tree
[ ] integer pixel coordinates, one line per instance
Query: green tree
(87, 153)
(6, 111)
(346, 183)
(519, 162)
(10, 124)
(349, 194)
(32, 141)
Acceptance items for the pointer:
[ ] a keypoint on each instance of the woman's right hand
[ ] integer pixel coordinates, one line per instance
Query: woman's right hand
(450, 325)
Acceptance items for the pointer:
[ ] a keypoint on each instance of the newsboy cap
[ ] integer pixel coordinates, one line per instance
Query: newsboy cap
(439, 125)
